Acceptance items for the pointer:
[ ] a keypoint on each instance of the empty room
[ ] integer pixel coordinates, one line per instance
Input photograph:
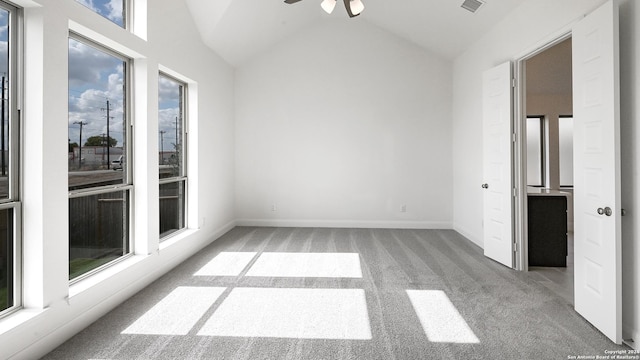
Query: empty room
(319, 179)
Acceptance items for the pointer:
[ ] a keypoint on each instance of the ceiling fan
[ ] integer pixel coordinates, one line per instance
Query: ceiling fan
(354, 7)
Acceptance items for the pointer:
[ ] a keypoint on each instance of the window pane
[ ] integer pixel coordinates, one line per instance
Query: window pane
(98, 230)
(97, 121)
(171, 207)
(170, 124)
(565, 130)
(113, 10)
(534, 152)
(5, 104)
(6, 259)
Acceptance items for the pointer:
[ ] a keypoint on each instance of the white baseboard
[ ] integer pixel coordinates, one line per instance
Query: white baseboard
(224, 229)
(466, 233)
(631, 334)
(359, 224)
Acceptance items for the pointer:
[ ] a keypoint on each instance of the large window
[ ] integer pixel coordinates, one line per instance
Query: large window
(9, 194)
(565, 138)
(99, 153)
(535, 151)
(171, 155)
(114, 10)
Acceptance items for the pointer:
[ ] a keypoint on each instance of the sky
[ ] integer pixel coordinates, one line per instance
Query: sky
(95, 77)
(111, 9)
(168, 105)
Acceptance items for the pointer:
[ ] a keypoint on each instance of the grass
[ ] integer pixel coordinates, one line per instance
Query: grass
(4, 301)
(80, 266)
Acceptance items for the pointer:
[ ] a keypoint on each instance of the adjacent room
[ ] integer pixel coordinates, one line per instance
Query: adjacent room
(239, 179)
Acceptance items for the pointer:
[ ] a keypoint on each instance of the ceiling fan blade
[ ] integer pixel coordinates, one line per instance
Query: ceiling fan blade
(291, 1)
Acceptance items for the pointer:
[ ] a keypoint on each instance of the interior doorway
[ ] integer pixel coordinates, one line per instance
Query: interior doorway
(595, 84)
(547, 156)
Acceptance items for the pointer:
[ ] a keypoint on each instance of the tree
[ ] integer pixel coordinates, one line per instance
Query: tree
(72, 145)
(99, 140)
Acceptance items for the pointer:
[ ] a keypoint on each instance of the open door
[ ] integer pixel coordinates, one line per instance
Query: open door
(597, 170)
(497, 113)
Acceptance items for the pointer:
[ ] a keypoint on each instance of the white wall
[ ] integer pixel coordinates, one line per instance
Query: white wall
(342, 125)
(513, 38)
(54, 310)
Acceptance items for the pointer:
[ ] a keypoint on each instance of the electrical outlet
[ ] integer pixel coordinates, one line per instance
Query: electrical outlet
(403, 208)
(273, 207)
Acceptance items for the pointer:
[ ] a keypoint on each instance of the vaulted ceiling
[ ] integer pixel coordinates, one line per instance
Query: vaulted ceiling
(239, 29)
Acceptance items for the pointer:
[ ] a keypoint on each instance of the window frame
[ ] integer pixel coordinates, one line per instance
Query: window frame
(184, 169)
(14, 143)
(127, 185)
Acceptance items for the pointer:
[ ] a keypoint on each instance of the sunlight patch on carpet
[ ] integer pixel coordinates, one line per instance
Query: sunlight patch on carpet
(291, 313)
(440, 319)
(226, 264)
(327, 265)
(177, 312)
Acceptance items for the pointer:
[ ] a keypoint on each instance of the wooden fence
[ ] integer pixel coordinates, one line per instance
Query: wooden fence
(98, 224)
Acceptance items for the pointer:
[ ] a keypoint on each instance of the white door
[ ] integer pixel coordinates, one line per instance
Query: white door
(597, 170)
(497, 187)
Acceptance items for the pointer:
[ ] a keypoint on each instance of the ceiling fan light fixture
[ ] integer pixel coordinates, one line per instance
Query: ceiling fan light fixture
(356, 7)
(328, 5)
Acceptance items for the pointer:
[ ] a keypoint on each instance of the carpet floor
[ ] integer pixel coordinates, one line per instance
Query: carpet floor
(305, 293)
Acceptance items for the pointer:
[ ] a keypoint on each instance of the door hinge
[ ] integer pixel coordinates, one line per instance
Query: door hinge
(515, 192)
(513, 82)
(514, 138)
(515, 247)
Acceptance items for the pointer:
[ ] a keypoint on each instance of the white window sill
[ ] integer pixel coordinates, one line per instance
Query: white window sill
(177, 238)
(18, 318)
(99, 277)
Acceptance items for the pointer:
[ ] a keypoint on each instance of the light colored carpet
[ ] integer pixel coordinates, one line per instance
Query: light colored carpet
(418, 294)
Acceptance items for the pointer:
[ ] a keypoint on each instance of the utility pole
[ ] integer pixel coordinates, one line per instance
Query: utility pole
(162, 132)
(108, 137)
(177, 138)
(2, 119)
(179, 150)
(104, 143)
(81, 123)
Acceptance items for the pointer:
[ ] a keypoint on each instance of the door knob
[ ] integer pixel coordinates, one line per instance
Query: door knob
(606, 211)
(485, 186)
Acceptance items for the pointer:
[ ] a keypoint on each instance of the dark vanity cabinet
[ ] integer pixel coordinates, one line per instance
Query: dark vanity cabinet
(547, 219)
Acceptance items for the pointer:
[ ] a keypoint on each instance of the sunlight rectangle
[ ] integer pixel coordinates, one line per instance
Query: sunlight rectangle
(440, 319)
(226, 264)
(292, 314)
(177, 313)
(328, 265)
